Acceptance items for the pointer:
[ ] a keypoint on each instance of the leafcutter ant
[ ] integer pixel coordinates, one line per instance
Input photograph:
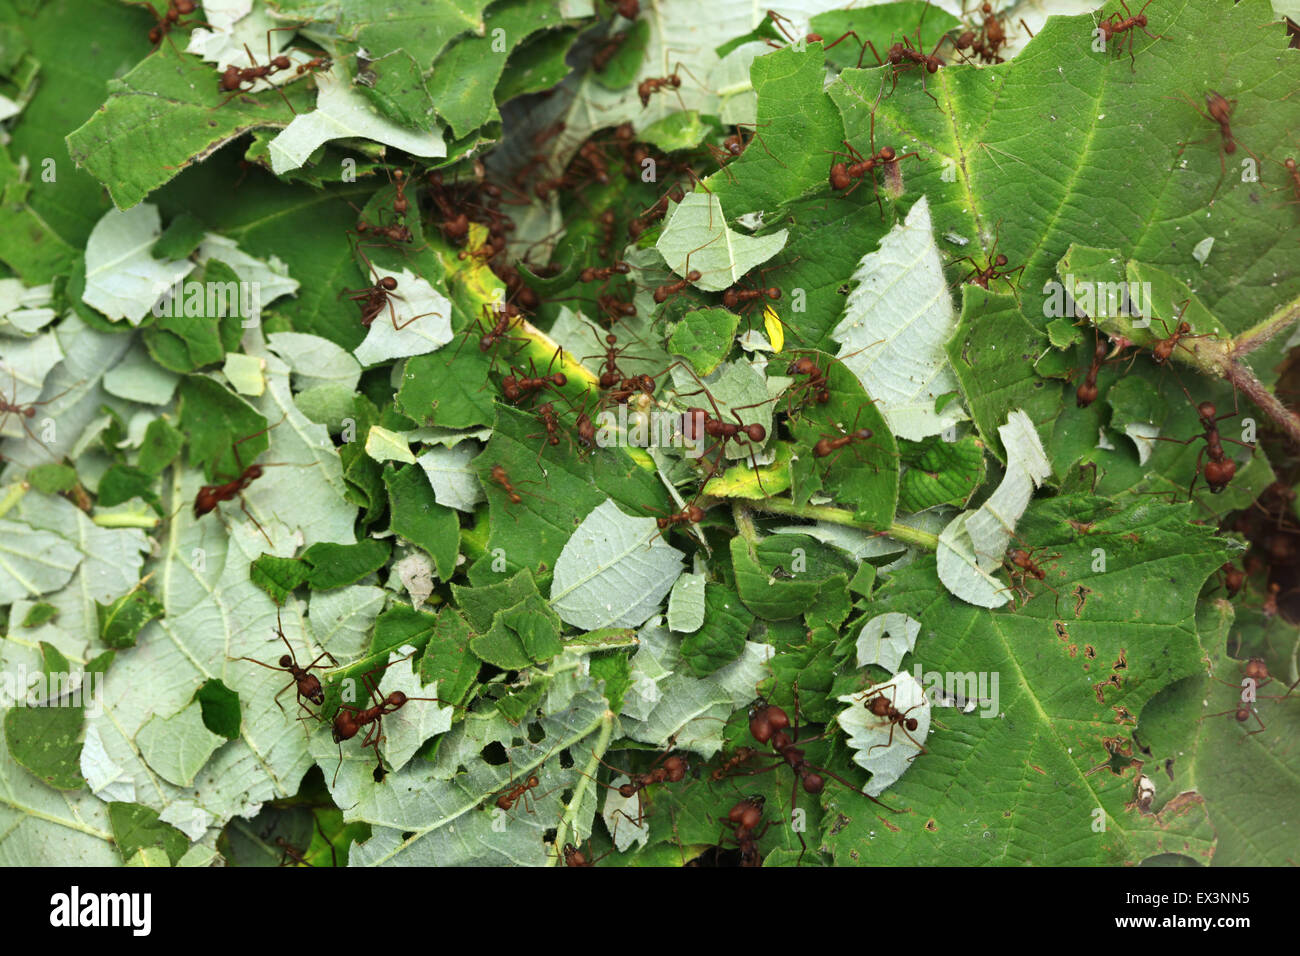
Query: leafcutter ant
(307, 685)
(1115, 24)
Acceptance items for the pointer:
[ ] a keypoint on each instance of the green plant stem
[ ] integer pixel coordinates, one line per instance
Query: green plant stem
(899, 532)
(12, 496)
(588, 777)
(125, 520)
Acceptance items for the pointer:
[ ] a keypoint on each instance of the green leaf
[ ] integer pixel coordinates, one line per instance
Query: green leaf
(137, 828)
(121, 621)
(722, 637)
(337, 565)
(417, 516)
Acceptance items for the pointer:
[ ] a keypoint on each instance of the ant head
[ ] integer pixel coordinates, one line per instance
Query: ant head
(802, 366)
(396, 699)
(676, 768)
(879, 705)
(751, 813)
(1086, 395)
(559, 378)
(755, 431)
(1000, 261)
(813, 783)
(695, 513)
(627, 791)
(285, 660)
(1242, 714)
(1207, 411)
(781, 741)
(387, 283)
(1019, 557)
(862, 434)
(910, 723)
(840, 178)
(1256, 669)
(1184, 328)
(887, 153)
(254, 471)
(1219, 473)
(281, 63)
(345, 726)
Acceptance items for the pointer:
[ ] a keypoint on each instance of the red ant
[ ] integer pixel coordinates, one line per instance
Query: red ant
(848, 176)
(210, 496)
(24, 410)
(639, 224)
(350, 719)
(513, 794)
(904, 56)
(668, 767)
(234, 78)
(307, 685)
(1163, 349)
(518, 386)
(612, 377)
(666, 291)
(499, 476)
(697, 422)
(744, 818)
(691, 514)
(1293, 171)
(816, 385)
(1086, 393)
(551, 422)
(983, 275)
(834, 445)
(767, 724)
(372, 299)
(586, 431)
(165, 23)
(1114, 24)
(1220, 113)
(615, 308)
(508, 316)
(739, 756)
(652, 85)
(400, 203)
(1220, 469)
(881, 706)
(987, 40)
(1023, 565)
(602, 273)
(1255, 670)
(575, 857)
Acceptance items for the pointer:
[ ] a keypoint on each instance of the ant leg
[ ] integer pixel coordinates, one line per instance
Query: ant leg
(243, 506)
